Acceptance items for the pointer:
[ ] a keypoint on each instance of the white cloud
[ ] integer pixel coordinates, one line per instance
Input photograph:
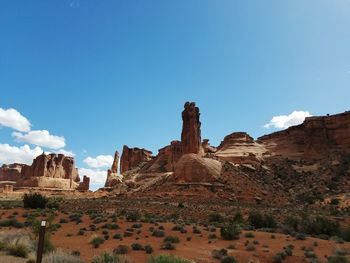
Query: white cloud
(285, 121)
(66, 153)
(99, 161)
(13, 119)
(41, 138)
(24, 154)
(97, 176)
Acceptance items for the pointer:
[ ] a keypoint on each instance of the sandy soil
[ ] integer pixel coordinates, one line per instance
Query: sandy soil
(199, 249)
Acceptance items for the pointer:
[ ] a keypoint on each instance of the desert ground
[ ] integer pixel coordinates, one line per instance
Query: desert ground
(190, 230)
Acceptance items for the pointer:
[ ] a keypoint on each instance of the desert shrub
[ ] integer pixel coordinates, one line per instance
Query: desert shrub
(34, 200)
(137, 225)
(63, 221)
(128, 234)
(250, 247)
(76, 217)
(108, 258)
(238, 218)
(18, 250)
(300, 236)
(321, 225)
(148, 249)
(54, 202)
(136, 246)
(258, 220)
(35, 225)
(337, 259)
(216, 218)
(310, 254)
(81, 232)
(59, 256)
(196, 230)
(230, 232)
(121, 250)
(289, 251)
(249, 235)
(133, 216)
(228, 259)
(96, 241)
(158, 233)
(277, 258)
(171, 239)
(168, 246)
(167, 259)
(11, 223)
(345, 234)
(219, 254)
(111, 226)
(117, 236)
(16, 244)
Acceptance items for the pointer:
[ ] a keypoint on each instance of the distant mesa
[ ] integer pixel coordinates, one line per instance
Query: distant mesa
(48, 171)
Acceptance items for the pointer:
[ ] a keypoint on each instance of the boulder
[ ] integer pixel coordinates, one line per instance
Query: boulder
(193, 168)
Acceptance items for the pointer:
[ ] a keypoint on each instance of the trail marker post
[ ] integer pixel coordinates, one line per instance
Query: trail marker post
(40, 250)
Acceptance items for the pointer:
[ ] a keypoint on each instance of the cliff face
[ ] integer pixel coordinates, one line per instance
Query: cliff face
(133, 157)
(51, 171)
(52, 165)
(314, 138)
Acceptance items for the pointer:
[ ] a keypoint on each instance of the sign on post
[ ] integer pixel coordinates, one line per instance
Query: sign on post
(39, 254)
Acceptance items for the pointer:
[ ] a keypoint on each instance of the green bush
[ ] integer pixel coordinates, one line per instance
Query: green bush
(167, 259)
(158, 233)
(34, 200)
(117, 236)
(171, 239)
(97, 241)
(108, 258)
(133, 216)
(216, 218)
(11, 223)
(230, 232)
(121, 250)
(168, 246)
(258, 220)
(345, 234)
(148, 249)
(228, 259)
(136, 246)
(337, 259)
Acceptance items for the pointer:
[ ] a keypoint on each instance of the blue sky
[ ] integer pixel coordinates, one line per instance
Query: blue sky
(101, 74)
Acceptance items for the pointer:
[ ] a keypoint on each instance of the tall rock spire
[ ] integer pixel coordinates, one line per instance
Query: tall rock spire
(191, 129)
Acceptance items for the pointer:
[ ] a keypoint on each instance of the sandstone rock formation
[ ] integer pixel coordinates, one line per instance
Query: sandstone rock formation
(240, 148)
(195, 169)
(132, 157)
(11, 172)
(46, 171)
(191, 132)
(283, 165)
(112, 175)
(166, 159)
(52, 165)
(314, 138)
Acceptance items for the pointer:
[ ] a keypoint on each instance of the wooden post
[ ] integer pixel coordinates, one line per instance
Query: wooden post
(39, 255)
